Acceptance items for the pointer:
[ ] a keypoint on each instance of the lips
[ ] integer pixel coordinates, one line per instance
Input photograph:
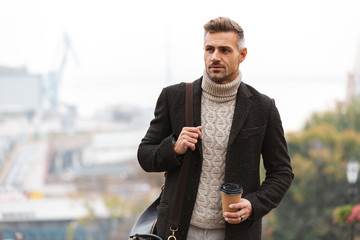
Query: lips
(216, 67)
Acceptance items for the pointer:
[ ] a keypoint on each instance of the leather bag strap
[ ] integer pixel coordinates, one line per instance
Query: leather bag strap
(180, 195)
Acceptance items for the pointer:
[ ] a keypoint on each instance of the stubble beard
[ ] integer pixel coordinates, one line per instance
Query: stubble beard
(220, 78)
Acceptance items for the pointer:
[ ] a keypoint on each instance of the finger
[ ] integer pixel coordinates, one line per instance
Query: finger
(182, 145)
(194, 132)
(236, 205)
(200, 132)
(235, 220)
(242, 212)
(234, 214)
(189, 144)
(243, 204)
(189, 139)
(191, 129)
(194, 135)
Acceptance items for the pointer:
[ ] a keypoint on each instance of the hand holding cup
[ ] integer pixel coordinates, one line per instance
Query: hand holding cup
(230, 193)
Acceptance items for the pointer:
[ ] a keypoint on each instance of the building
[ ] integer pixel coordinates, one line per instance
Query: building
(353, 83)
(20, 91)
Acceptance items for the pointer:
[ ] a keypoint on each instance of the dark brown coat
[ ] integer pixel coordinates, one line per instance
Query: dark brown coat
(256, 130)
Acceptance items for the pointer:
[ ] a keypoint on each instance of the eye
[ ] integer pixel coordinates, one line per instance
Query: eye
(209, 49)
(225, 50)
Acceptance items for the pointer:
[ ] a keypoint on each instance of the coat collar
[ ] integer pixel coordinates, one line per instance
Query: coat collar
(242, 108)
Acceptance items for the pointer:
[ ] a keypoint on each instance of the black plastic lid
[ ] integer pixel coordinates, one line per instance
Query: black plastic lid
(231, 188)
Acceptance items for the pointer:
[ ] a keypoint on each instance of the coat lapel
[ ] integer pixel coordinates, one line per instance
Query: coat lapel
(242, 108)
(197, 109)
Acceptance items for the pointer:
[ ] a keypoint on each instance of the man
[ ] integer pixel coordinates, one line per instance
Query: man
(235, 126)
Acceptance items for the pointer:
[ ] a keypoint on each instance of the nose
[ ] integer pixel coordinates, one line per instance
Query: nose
(215, 57)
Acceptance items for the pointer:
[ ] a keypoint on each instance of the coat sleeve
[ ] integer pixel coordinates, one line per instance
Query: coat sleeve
(156, 152)
(277, 164)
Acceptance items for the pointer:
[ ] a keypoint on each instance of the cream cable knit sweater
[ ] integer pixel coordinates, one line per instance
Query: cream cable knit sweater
(217, 111)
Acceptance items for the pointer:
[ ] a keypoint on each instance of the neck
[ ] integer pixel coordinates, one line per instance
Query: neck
(220, 92)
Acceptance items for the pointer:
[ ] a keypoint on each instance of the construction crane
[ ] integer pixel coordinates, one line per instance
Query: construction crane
(54, 78)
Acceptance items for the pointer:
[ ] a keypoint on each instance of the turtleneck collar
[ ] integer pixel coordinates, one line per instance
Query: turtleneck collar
(220, 92)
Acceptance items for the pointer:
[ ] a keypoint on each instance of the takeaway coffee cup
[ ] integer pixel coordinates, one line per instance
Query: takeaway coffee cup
(230, 193)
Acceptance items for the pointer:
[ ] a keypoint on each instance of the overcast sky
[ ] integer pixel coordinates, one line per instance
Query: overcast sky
(299, 52)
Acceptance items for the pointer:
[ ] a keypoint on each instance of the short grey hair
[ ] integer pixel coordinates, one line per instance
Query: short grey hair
(224, 24)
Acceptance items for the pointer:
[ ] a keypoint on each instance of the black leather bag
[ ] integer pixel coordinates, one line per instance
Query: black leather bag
(144, 227)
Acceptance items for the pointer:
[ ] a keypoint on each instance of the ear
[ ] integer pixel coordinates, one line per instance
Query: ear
(243, 54)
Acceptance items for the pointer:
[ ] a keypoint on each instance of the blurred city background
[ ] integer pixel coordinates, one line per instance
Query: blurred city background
(78, 85)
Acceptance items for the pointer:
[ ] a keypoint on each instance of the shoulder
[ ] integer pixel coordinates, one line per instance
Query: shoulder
(255, 95)
(177, 86)
(178, 90)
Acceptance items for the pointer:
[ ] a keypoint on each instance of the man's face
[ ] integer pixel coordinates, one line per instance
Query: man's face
(222, 56)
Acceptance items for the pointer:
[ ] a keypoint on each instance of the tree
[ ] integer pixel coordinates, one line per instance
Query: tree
(319, 155)
(342, 117)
